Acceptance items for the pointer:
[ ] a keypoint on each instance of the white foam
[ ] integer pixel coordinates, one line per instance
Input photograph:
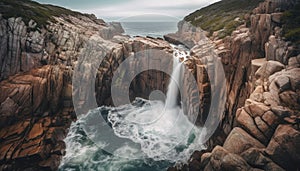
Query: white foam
(162, 131)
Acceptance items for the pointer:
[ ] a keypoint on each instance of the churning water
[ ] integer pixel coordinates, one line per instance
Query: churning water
(162, 135)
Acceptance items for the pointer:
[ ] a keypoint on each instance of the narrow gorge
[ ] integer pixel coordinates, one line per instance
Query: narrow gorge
(199, 99)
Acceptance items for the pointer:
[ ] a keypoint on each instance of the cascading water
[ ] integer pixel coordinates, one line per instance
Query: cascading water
(172, 92)
(163, 133)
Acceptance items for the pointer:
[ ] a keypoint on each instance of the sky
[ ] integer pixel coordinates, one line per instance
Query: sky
(127, 10)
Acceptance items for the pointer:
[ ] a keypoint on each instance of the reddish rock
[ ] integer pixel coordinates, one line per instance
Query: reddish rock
(284, 147)
(256, 158)
(256, 109)
(269, 69)
(290, 99)
(239, 141)
(36, 131)
(271, 119)
(247, 122)
(223, 160)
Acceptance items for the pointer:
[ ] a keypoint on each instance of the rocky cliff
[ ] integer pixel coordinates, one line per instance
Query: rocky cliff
(259, 129)
(38, 57)
(37, 60)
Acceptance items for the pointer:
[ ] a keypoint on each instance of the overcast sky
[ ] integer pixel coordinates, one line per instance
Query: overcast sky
(117, 10)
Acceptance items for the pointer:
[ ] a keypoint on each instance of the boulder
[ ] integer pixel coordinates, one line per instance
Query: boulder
(221, 159)
(245, 121)
(284, 147)
(239, 141)
(290, 99)
(256, 109)
(255, 158)
(269, 69)
(283, 83)
(276, 17)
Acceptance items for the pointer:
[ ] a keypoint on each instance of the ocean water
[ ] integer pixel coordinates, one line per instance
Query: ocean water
(153, 29)
(150, 135)
(157, 145)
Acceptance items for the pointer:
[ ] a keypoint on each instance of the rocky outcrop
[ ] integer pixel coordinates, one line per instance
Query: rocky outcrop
(25, 46)
(236, 53)
(187, 35)
(37, 65)
(266, 20)
(260, 127)
(33, 120)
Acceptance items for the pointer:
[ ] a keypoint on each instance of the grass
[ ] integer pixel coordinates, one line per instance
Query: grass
(28, 9)
(221, 16)
(291, 27)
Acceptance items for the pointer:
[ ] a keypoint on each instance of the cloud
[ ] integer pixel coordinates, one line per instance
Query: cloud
(172, 8)
(118, 9)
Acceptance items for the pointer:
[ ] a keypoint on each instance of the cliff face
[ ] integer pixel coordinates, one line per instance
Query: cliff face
(260, 127)
(37, 66)
(36, 92)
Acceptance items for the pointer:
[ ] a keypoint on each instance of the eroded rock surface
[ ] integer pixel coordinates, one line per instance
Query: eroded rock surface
(260, 127)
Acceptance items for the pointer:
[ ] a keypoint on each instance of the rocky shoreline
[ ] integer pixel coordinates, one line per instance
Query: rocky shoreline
(259, 129)
(260, 126)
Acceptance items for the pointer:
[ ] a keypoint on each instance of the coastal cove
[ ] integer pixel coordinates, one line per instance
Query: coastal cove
(218, 90)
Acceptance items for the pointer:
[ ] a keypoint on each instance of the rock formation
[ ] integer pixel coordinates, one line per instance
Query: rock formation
(37, 66)
(260, 126)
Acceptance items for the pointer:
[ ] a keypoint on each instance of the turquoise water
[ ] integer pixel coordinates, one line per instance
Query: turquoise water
(145, 135)
(159, 143)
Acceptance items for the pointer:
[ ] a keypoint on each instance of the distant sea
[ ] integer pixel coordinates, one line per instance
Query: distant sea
(153, 29)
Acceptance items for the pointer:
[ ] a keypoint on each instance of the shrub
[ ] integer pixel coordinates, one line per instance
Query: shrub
(291, 24)
(221, 15)
(28, 10)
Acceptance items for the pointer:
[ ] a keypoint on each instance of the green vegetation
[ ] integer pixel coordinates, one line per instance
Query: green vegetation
(28, 9)
(291, 27)
(222, 16)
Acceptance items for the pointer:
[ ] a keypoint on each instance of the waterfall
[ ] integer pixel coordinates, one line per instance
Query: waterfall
(161, 131)
(172, 93)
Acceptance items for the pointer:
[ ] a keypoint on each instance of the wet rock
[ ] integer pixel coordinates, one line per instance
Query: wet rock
(59, 148)
(205, 158)
(51, 163)
(55, 134)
